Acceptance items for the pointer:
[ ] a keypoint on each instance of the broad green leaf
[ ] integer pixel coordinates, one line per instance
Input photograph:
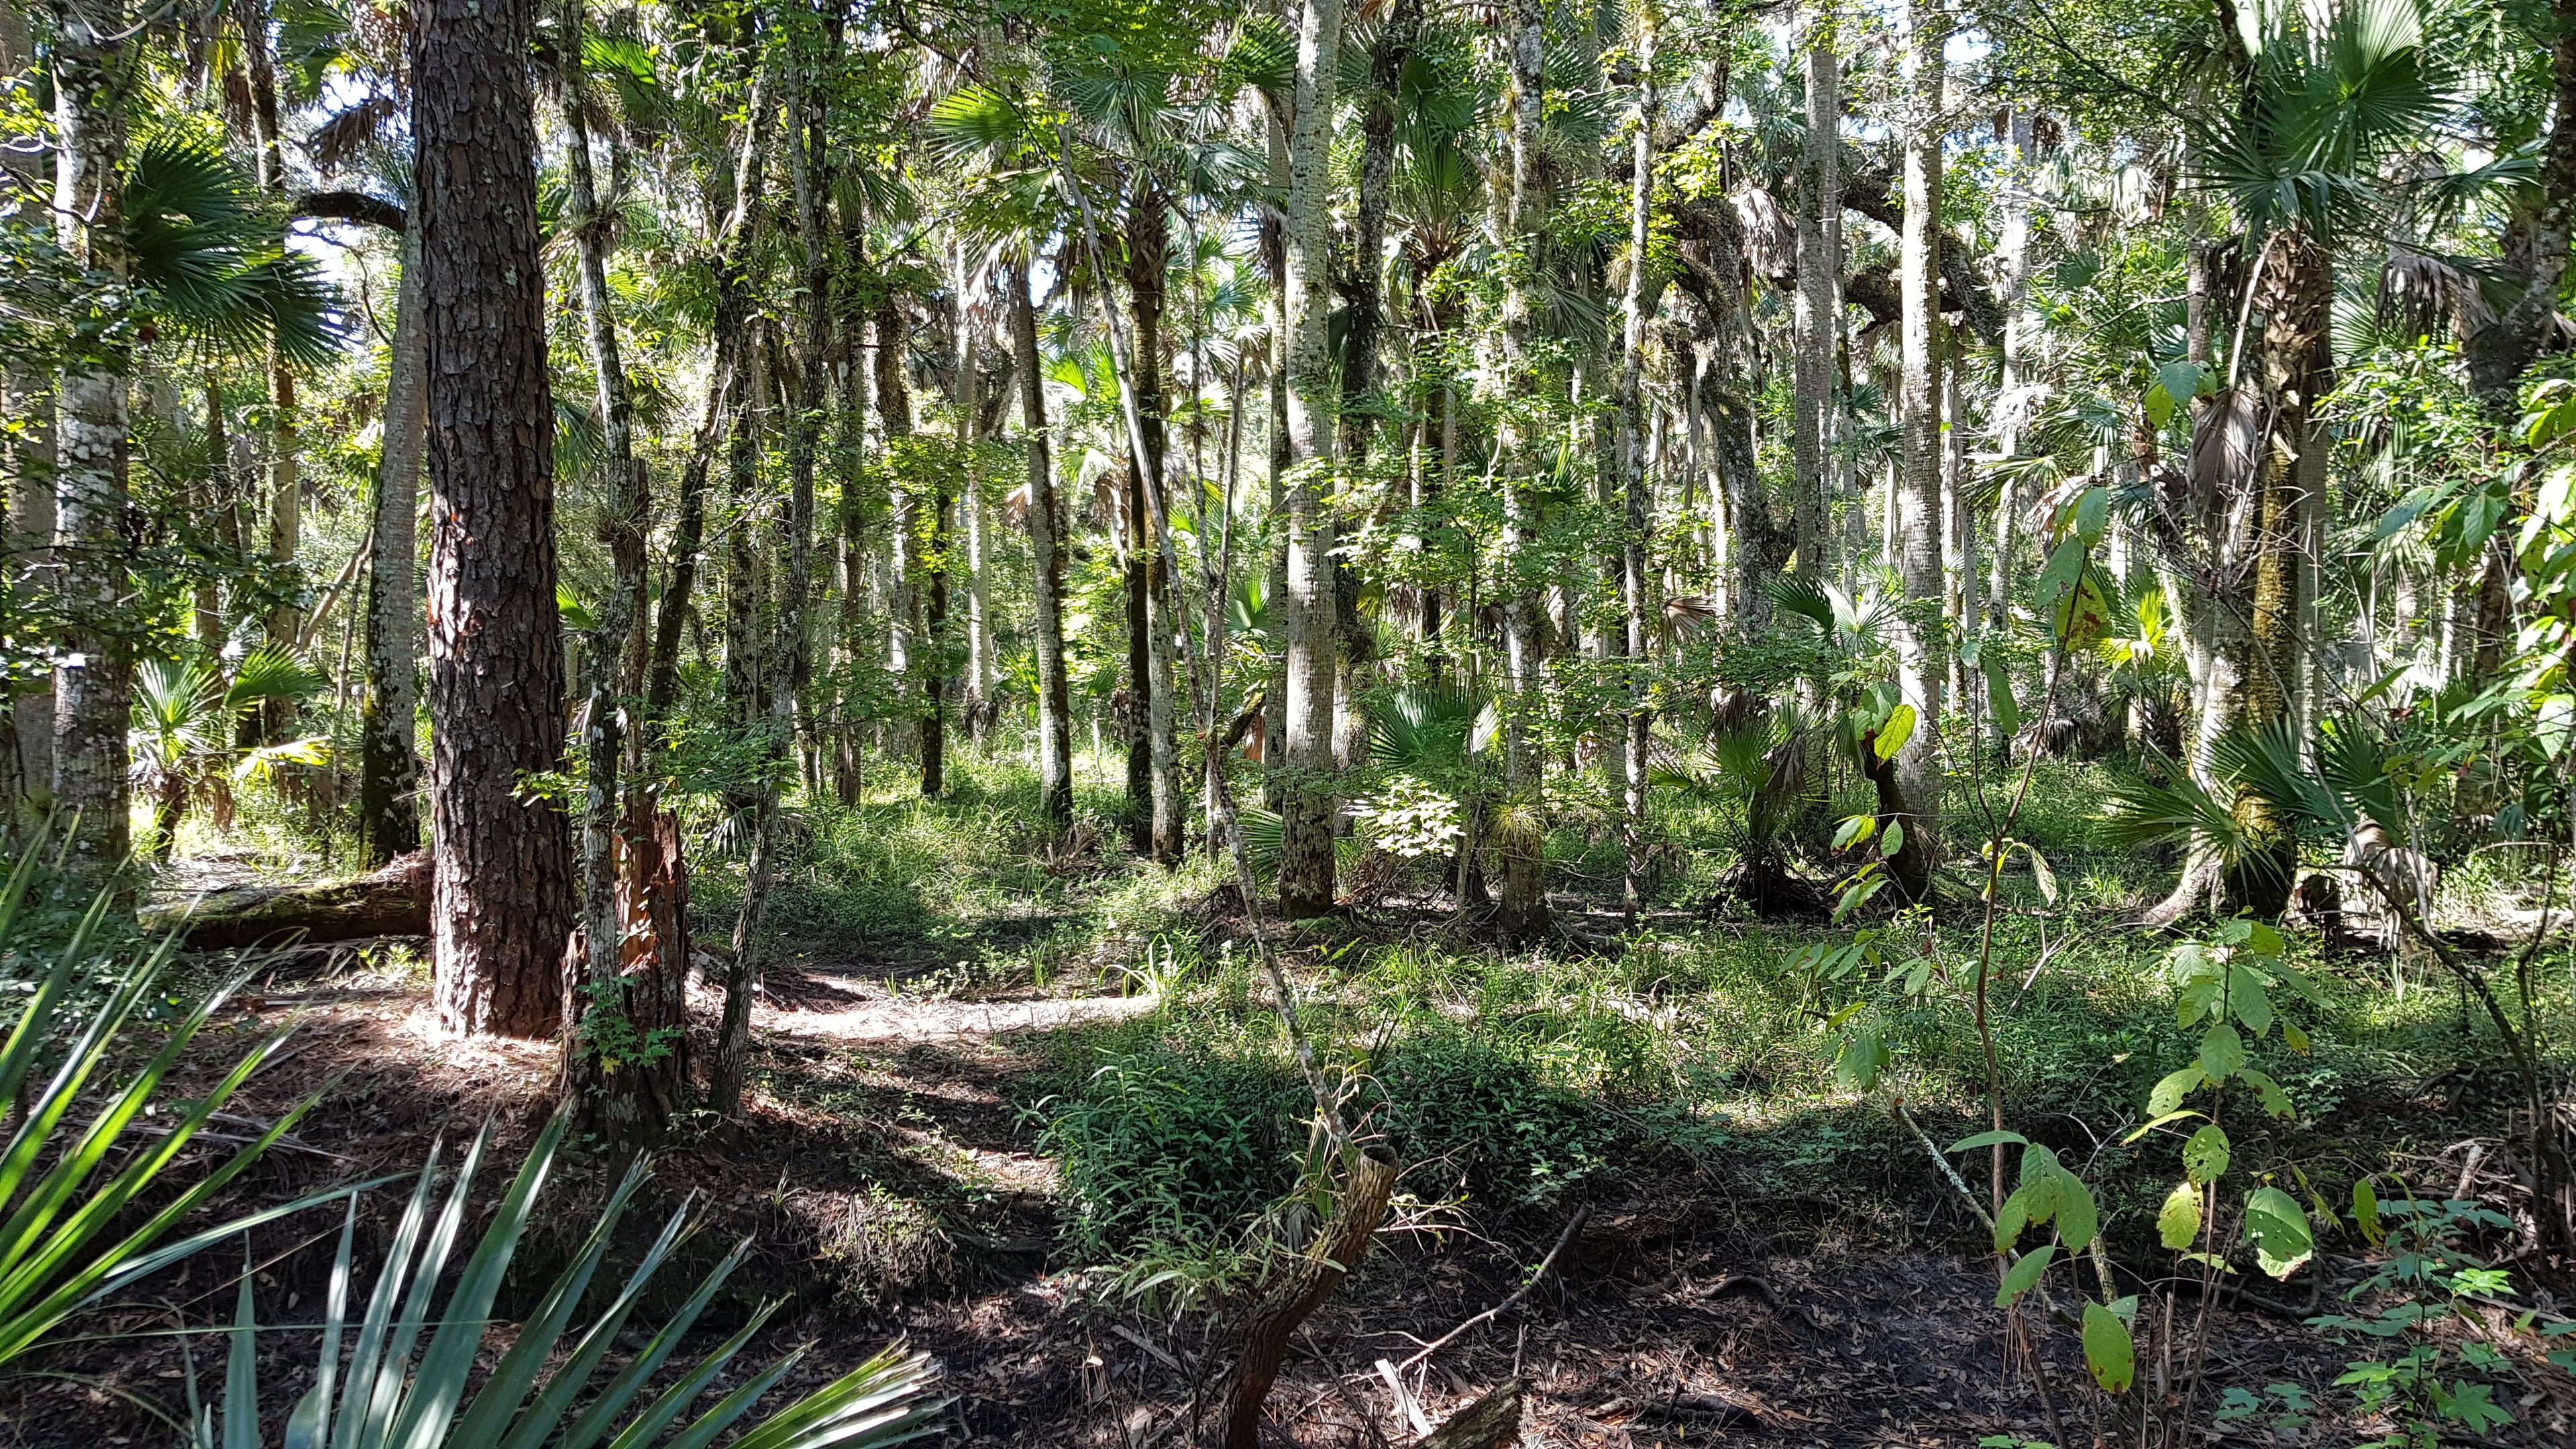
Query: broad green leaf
(1893, 734)
(2268, 1092)
(2168, 1094)
(2108, 1351)
(2178, 1221)
(1999, 698)
(2184, 381)
(1989, 1139)
(2278, 1229)
(2077, 1218)
(2092, 511)
(2041, 874)
(2252, 1004)
(2024, 1274)
(1853, 830)
(2012, 1220)
(1893, 841)
(2222, 1052)
(2204, 1157)
(2297, 1039)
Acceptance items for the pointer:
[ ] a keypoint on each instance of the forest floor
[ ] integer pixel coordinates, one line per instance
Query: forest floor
(1755, 1264)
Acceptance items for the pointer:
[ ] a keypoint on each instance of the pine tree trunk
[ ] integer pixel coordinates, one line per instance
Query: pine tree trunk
(503, 903)
(388, 761)
(94, 680)
(1306, 856)
(1920, 528)
(1047, 560)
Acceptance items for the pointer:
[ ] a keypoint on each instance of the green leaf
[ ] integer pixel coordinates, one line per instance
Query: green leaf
(2222, 1052)
(1999, 698)
(2108, 1351)
(2297, 1039)
(2012, 1220)
(2278, 1229)
(2092, 511)
(1893, 734)
(2204, 1157)
(2168, 1094)
(1893, 841)
(2178, 1221)
(2024, 1274)
(2040, 874)
(1989, 1139)
(1853, 830)
(2268, 1092)
(2153, 1123)
(2253, 1006)
(2365, 1212)
(2077, 1218)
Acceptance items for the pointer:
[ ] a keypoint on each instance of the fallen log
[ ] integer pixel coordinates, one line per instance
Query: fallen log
(393, 901)
(1493, 1421)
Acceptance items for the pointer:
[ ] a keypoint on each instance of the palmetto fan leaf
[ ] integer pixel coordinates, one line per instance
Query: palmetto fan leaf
(199, 242)
(406, 1379)
(2323, 107)
(1428, 730)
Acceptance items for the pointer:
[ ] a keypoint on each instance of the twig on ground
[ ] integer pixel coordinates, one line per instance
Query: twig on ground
(1572, 1226)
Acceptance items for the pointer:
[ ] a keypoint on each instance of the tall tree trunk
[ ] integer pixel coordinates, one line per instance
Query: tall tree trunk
(2012, 254)
(1817, 322)
(94, 682)
(621, 1087)
(388, 761)
(1632, 462)
(791, 542)
(1920, 648)
(1306, 824)
(285, 622)
(1274, 263)
(744, 697)
(1158, 704)
(27, 474)
(1364, 314)
(688, 539)
(502, 906)
(1047, 559)
(903, 558)
(1519, 832)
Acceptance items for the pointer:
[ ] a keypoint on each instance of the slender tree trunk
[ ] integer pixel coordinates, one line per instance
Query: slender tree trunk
(285, 621)
(2498, 352)
(2012, 254)
(744, 696)
(31, 578)
(94, 680)
(903, 558)
(791, 542)
(688, 540)
(1274, 261)
(1155, 694)
(1817, 320)
(621, 1088)
(503, 905)
(1632, 461)
(1047, 559)
(1519, 831)
(388, 760)
(1920, 525)
(1363, 316)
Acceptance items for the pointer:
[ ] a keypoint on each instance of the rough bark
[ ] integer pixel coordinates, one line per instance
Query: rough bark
(503, 905)
(1491, 1420)
(1157, 698)
(2013, 257)
(1045, 517)
(1306, 859)
(94, 678)
(388, 759)
(1301, 1289)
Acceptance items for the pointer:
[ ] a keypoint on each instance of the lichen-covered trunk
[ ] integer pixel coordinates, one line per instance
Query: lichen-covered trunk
(1819, 265)
(503, 903)
(1921, 656)
(388, 760)
(1306, 878)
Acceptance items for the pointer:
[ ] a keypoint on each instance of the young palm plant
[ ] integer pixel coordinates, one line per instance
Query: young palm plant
(406, 1380)
(186, 714)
